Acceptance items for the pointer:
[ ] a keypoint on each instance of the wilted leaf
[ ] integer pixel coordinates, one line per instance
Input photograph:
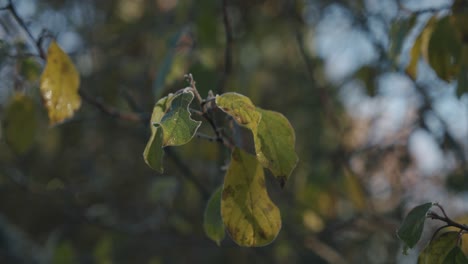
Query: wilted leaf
(243, 111)
(438, 249)
(455, 256)
(178, 127)
(20, 123)
(153, 152)
(411, 229)
(212, 221)
(277, 144)
(249, 215)
(444, 51)
(59, 85)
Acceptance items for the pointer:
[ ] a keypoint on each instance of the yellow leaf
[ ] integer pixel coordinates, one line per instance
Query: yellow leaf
(59, 85)
(249, 215)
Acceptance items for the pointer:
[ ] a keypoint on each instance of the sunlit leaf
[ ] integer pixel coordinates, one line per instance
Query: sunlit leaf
(455, 256)
(178, 127)
(243, 111)
(20, 123)
(444, 50)
(277, 144)
(249, 215)
(59, 85)
(438, 249)
(411, 229)
(153, 152)
(212, 221)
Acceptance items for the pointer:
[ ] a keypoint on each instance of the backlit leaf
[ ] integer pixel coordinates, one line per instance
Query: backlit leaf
(212, 221)
(153, 152)
(249, 215)
(455, 256)
(60, 82)
(277, 144)
(178, 127)
(411, 229)
(438, 249)
(20, 123)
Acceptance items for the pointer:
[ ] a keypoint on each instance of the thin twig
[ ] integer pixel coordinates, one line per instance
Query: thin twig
(113, 112)
(447, 220)
(20, 21)
(227, 50)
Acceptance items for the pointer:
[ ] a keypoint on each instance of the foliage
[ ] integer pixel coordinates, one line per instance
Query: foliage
(249, 215)
(376, 93)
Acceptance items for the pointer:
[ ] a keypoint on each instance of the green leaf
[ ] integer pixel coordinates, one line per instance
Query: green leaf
(20, 123)
(59, 85)
(411, 229)
(212, 221)
(438, 249)
(444, 50)
(277, 141)
(249, 215)
(153, 152)
(455, 256)
(178, 127)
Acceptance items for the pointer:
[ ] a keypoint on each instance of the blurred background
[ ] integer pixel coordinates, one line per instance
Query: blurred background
(373, 142)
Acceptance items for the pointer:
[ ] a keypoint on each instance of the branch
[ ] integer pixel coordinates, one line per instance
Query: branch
(113, 112)
(227, 50)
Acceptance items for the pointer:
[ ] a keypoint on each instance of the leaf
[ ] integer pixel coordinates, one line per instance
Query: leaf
(420, 48)
(438, 249)
(249, 215)
(212, 221)
(411, 229)
(455, 256)
(241, 109)
(444, 50)
(277, 144)
(244, 113)
(20, 123)
(59, 85)
(178, 127)
(153, 152)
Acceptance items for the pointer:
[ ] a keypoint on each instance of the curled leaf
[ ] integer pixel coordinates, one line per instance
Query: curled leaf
(277, 144)
(178, 127)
